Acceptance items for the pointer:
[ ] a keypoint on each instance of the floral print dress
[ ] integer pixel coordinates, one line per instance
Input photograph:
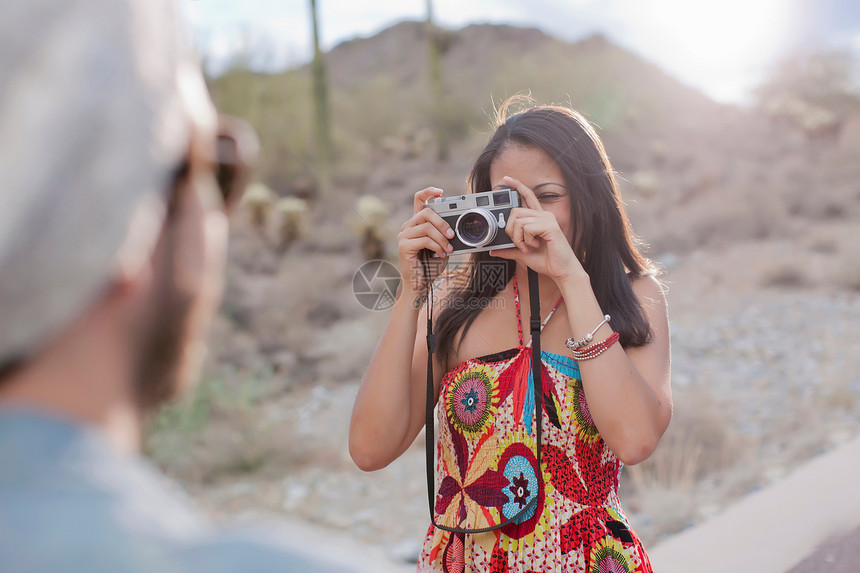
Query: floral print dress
(487, 471)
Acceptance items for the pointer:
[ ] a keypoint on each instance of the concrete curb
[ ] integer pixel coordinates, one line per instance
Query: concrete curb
(774, 529)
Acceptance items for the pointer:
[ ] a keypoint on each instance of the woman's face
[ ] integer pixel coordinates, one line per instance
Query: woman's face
(535, 169)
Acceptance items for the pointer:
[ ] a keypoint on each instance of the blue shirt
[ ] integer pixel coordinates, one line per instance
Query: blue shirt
(69, 502)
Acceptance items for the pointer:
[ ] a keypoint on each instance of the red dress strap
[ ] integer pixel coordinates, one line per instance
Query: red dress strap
(519, 319)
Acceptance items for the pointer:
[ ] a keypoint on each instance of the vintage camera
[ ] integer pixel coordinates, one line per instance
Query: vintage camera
(478, 219)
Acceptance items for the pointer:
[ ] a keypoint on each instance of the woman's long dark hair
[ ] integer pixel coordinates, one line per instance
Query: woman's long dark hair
(603, 238)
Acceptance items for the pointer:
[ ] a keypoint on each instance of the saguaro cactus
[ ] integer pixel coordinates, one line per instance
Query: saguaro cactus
(321, 107)
(435, 41)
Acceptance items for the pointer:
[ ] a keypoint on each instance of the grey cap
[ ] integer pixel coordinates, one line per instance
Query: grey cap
(92, 125)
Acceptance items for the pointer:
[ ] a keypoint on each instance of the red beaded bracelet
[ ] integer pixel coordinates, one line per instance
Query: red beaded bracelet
(595, 349)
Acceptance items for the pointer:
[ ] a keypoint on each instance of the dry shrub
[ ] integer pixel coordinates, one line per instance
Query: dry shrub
(785, 275)
(848, 274)
(824, 245)
(813, 207)
(699, 445)
(675, 466)
(833, 211)
(663, 512)
(699, 442)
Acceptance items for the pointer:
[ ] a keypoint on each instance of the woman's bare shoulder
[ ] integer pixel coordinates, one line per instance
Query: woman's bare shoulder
(648, 289)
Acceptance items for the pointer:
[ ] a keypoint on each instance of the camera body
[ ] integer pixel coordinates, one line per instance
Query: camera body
(478, 219)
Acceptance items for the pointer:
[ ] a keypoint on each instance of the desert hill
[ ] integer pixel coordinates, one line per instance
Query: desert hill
(716, 172)
(379, 89)
(503, 60)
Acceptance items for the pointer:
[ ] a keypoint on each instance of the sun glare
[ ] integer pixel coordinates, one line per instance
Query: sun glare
(723, 44)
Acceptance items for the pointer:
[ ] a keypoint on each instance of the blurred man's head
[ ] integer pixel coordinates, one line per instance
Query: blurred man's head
(112, 228)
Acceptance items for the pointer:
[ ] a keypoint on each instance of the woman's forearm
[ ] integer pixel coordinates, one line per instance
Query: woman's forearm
(385, 418)
(381, 416)
(628, 413)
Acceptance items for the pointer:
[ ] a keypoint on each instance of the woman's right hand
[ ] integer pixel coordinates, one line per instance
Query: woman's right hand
(426, 229)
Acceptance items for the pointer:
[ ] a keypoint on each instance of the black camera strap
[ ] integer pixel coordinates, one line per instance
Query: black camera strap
(430, 439)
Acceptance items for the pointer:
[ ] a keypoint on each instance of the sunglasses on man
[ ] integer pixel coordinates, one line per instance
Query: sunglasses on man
(236, 148)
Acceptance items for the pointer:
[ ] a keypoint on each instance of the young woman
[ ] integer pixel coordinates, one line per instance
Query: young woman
(605, 403)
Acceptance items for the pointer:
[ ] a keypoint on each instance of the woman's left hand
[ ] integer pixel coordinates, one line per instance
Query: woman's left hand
(539, 242)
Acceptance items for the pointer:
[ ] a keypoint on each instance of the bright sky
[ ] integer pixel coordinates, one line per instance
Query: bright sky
(721, 47)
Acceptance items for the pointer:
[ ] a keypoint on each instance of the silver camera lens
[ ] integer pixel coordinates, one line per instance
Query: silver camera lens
(476, 227)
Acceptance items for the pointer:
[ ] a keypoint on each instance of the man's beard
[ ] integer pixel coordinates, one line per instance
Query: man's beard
(167, 340)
